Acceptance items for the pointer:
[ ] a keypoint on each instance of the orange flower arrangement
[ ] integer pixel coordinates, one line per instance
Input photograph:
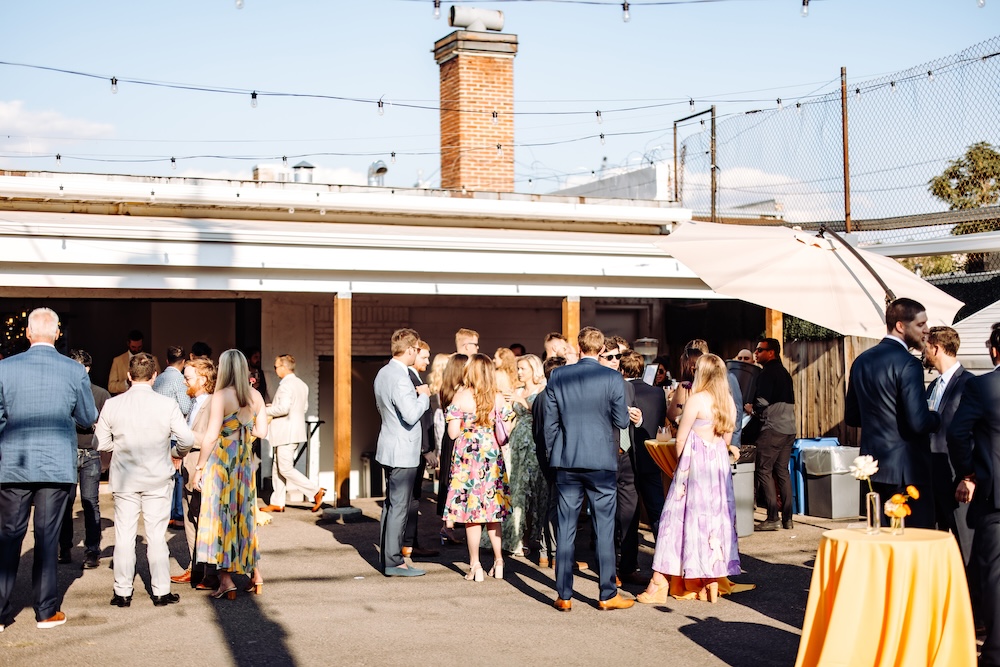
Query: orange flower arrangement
(896, 508)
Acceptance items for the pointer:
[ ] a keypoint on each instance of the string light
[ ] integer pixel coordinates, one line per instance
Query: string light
(981, 3)
(381, 108)
(284, 160)
(392, 157)
(857, 93)
(58, 160)
(600, 119)
(892, 86)
(602, 138)
(805, 9)
(496, 117)
(173, 163)
(625, 15)
(62, 192)
(437, 9)
(930, 75)
(798, 107)
(239, 4)
(114, 86)
(691, 103)
(779, 104)
(499, 150)
(253, 100)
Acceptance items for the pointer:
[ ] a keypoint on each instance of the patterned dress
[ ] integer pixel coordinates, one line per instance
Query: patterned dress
(478, 491)
(697, 535)
(227, 533)
(529, 492)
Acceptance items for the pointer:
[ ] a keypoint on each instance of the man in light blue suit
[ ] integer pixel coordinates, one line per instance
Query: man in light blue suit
(584, 413)
(401, 406)
(44, 396)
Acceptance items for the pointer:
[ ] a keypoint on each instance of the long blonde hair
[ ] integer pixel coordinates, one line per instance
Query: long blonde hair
(480, 379)
(712, 377)
(437, 373)
(508, 364)
(234, 371)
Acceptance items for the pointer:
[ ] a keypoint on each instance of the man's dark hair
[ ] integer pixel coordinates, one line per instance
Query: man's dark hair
(616, 342)
(517, 349)
(631, 364)
(947, 338)
(201, 349)
(82, 357)
(551, 364)
(135, 334)
(175, 353)
(141, 366)
(995, 337)
(772, 344)
(902, 310)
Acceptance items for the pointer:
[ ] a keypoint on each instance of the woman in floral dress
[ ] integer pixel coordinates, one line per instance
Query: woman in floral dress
(227, 532)
(528, 489)
(478, 493)
(696, 543)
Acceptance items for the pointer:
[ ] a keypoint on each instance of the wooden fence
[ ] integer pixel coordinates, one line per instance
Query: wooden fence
(820, 373)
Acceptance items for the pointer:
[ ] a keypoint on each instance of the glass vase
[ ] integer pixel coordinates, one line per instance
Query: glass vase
(873, 512)
(896, 525)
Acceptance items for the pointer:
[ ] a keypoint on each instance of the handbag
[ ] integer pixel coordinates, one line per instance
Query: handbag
(499, 429)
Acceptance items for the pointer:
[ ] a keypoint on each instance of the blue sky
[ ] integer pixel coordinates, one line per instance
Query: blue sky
(742, 54)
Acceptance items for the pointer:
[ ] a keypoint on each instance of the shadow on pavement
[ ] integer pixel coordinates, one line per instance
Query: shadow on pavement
(742, 644)
(781, 593)
(252, 637)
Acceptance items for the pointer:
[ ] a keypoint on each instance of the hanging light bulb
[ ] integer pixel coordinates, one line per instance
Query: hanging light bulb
(805, 9)
(892, 86)
(496, 117)
(253, 100)
(625, 15)
(239, 4)
(114, 86)
(602, 138)
(779, 104)
(173, 163)
(392, 157)
(691, 103)
(381, 107)
(599, 118)
(437, 9)
(857, 93)
(499, 150)
(58, 160)
(980, 3)
(284, 160)
(62, 192)
(152, 196)
(930, 75)
(702, 125)
(798, 107)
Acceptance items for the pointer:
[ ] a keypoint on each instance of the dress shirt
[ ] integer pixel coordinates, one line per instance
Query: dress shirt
(941, 384)
(170, 383)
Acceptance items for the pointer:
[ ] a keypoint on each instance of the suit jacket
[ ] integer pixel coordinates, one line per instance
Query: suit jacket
(947, 407)
(584, 412)
(118, 378)
(427, 419)
(44, 396)
(974, 441)
(137, 428)
(85, 436)
(886, 399)
(288, 412)
(401, 409)
(653, 403)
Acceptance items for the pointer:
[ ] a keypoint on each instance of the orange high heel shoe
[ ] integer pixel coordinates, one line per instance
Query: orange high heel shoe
(658, 596)
(229, 593)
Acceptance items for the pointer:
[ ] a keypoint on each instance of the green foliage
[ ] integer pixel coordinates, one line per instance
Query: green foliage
(798, 329)
(971, 181)
(932, 265)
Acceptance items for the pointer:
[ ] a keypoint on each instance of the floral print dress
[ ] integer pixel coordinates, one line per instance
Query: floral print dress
(697, 535)
(478, 491)
(528, 489)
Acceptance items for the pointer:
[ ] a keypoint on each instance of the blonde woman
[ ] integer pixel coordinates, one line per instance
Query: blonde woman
(506, 371)
(227, 533)
(434, 380)
(478, 492)
(528, 489)
(451, 381)
(696, 543)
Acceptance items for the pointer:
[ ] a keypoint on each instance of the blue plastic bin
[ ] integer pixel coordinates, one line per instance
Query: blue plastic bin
(797, 471)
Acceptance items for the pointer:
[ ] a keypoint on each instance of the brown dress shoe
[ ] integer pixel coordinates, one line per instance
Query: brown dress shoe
(563, 605)
(318, 500)
(617, 602)
(272, 508)
(182, 578)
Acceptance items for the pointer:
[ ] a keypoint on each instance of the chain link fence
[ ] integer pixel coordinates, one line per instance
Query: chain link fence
(924, 156)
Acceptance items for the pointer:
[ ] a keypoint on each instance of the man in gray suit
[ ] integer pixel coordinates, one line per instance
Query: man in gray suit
(138, 427)
(44, 396)
(286, 432)
(401, 406)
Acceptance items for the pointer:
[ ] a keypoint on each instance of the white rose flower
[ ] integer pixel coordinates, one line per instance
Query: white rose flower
(864, 467)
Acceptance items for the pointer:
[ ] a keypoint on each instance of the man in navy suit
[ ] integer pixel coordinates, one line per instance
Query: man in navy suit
(583, 416)
(943, 396)
(974, 447)
(44, 396)
(886, 399)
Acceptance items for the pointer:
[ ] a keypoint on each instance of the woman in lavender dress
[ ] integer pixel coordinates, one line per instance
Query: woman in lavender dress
(696, 544)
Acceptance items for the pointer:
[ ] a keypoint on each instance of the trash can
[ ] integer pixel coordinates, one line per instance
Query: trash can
(743, 485)
(798, 473)
(831, 491)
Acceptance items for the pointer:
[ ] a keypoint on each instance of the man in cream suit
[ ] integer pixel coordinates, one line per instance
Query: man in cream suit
(286, 432)
(118, 379)
(401, 406)
(137, 428)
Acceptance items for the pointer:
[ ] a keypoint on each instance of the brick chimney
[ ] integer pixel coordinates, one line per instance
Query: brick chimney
(477, 75)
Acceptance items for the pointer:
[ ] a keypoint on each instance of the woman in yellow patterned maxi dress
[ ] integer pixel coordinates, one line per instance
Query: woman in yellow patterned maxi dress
(227, 533)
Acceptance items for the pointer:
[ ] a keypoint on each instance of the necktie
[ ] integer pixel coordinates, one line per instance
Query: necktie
(624, 440)
(936, 394)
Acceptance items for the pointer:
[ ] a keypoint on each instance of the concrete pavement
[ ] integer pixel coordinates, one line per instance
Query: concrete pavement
(325, 603)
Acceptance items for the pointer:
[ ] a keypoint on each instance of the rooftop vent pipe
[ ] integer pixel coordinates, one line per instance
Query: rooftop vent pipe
(476, 20)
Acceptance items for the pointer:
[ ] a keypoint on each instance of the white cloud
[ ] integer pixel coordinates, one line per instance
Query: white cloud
(32, 130)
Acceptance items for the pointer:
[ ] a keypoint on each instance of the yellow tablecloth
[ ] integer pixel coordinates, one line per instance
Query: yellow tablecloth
(888, 600)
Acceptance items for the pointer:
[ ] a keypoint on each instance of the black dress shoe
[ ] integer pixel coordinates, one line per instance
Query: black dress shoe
(119, 601)
(767, 525)
(787, 525)
(91, 562)
(65, 558)
(164, 600)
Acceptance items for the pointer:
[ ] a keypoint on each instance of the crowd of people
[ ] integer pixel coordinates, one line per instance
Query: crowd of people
(517, 443)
